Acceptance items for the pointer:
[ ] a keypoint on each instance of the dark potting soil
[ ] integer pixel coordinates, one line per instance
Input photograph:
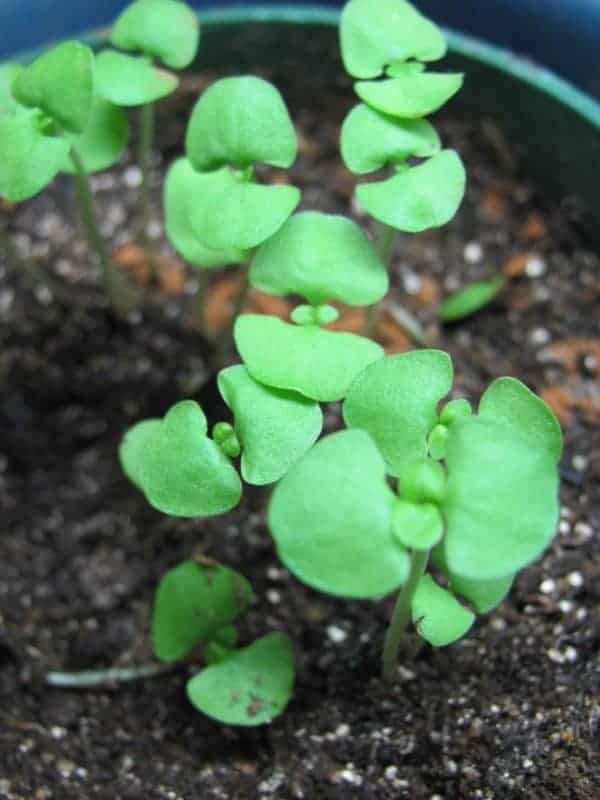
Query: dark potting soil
(512, 711)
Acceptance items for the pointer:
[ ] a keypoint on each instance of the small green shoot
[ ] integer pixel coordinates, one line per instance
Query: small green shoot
(470, 299)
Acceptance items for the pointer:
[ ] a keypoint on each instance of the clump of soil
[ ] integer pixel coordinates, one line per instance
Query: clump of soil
(512, 711)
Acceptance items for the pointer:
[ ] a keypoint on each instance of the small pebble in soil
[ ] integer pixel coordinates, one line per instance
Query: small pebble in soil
(336, 634)
(539, 337)
(536, 267)
(473, 253)
(575, 580)
(579, 462)
(412, 283)
(132, 177)
(547, 586)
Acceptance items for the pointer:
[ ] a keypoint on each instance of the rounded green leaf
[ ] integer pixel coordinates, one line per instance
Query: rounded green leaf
(104, 139)
(131, 80)
(233, 214)
(60, 83)
(470, 299)
(501, 504)
(412, 96)
(511, 403)
(331, 518)
(239, 122)
(8, 75)
(374, 34)
(184, 473)
(417, 526)
(455, 410)
(192, 603)
(423, 481)
(370, 140)
(321, 257)
(317, 363)
(133, 444)
(482, 596)
(183, 185)
(438, 616)
(30, 160)
(395, 400)
(275, 427)
(165, 29)
(422, 197)
(250, 687)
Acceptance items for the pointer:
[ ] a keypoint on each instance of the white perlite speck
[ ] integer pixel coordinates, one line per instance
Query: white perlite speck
(336, 634)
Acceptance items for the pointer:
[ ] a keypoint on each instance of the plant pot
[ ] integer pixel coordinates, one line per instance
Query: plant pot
(510, 712)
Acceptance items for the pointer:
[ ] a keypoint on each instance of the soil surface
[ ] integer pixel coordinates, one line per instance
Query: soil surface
(512, 711)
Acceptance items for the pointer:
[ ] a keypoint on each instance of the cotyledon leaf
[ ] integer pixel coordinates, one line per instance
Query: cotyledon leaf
(131, 80)
(482, 595)
(331, 518)
(438, 616)
(395, 401)
(317, 363)
(411, 96)
(469, 299)
(275, 427)
(103, 140)
(8, 74)
(131, 449)
(321, 257)
(250, 687)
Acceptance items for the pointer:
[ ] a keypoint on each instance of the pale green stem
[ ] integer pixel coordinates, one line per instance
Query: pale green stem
(88, 679)
(200, 297)
(238, 305)
(144, 159)
(401, 615)
(385, 240)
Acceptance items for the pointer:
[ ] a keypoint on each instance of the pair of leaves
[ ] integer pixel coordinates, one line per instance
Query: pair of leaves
(321, 257)
(316, 363)
(180, 470)
(196, 604)
(131, 80)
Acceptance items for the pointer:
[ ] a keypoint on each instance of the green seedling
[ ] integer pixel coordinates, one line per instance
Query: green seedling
(164, 31)
(195, 605)
(469, 299)
(52, 120)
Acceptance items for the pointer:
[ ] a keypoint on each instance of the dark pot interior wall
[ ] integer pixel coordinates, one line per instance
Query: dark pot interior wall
(561, 34)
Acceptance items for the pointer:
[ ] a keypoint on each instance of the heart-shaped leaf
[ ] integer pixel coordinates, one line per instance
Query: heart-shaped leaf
(133, 444)
(131, 80)
(184, 473)
(234, 214)
(374, 35)
(317, 363)
(183, 185)
(483, 596)
(250, 687)
(321, 257)
(511, 403)
(239, 122)
(418, 526)
(370, 140)
(331, 518)
(472, 298)
(275, 427)
(411, 96)
(422, 197)
(103, 141)
(501, 505)
(165, 29)
(193, 603)
(30, 160)
(438, 616)
(60, 83)
(8, 74)
(395, 400)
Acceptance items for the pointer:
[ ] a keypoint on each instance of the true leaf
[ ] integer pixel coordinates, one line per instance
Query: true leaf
(501, 505)
(183, 185)
(60, 82)
(30, 159)
(470, 299)
(104, 139)
(321, 257)
(131, 80)
(317, 363)
(370, 140)
(165, 29)
(240, 121)
(376, 34)
(395, 400)
(184, 473)
(275, 427)
(8, 74)
(133, 444)
(192, 604)
(422, 197)
(331, 518)
(511, 403)
(234, 214)
(417, 526)
(411, 96)
(438, 616)
(250, 687)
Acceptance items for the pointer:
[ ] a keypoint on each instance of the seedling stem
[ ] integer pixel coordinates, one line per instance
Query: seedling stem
(144, 157)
